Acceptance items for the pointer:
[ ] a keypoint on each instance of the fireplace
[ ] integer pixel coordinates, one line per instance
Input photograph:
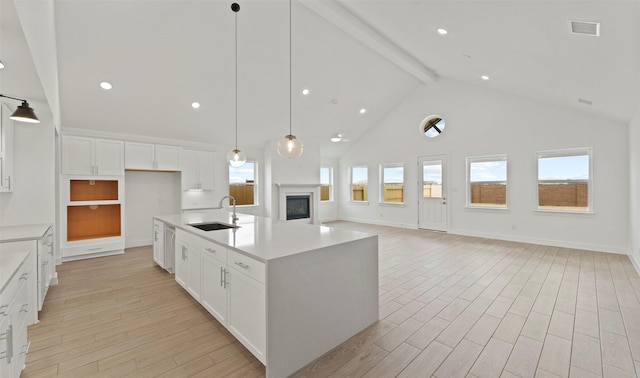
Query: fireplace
(298, 207)
(298, 203)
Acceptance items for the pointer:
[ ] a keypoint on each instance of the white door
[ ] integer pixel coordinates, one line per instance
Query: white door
(214, 292)
(246, 318)
(432, 193)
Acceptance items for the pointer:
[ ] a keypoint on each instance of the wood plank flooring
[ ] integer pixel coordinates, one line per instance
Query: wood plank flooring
(450, 306)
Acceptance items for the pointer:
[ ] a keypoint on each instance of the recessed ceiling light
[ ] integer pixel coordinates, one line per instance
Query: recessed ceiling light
(106, 85)
(305, 91)
(363, 110)
(484, 77)
(442, 31)
(1, 65)
(336, 139)
(195, 105)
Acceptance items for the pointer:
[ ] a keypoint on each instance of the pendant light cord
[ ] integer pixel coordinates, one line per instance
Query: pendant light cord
(236, 53)
(290, 81)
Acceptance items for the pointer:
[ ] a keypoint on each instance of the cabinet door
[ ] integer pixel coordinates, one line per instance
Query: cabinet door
(247, 312)
(158, 242)
(109, 157)
(206, 167)
(194, 262)
(167, 158)
(189, 166)
(181, 266)
(214, 293)
(77, 156)
(6, 150)
(138, 156)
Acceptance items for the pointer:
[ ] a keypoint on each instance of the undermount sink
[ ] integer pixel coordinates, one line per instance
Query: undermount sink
(212, 226)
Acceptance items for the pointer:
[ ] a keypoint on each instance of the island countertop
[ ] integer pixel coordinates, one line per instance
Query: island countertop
(9, 234)
(263, 238)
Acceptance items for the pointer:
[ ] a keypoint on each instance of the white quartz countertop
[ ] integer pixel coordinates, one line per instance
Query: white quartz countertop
(264, 238)
(23, 232)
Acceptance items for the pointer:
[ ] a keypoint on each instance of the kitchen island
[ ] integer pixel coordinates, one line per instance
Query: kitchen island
(289, 292)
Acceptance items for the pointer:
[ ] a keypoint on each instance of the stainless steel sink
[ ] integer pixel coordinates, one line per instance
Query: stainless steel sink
(212, 226)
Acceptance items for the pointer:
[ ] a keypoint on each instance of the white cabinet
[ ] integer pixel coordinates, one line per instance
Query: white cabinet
(188, 267)
(247, 311)
(16, 304)
(151, 157)
(228, 284)
(197, 170)
(158, 242)
(6, 150)
(46, 266)
(214, 282)
(92, 157)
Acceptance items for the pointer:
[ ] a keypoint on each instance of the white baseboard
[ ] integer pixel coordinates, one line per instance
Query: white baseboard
(411, 226)
(542, 241)
(635, 262)
(137, 243)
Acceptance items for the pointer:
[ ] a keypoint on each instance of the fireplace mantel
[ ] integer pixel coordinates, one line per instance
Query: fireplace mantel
(285, 190)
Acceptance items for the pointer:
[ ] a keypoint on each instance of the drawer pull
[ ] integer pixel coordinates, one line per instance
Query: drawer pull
(25, 307)
(3, 309)
(211, 250)
(8, 354)
(241, 265)
(24, 276)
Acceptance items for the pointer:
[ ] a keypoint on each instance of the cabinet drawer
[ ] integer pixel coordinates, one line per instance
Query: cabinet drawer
(92, 248)
(216, 251)
(252, 268)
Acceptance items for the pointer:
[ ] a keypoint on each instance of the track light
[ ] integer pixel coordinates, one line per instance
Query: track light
(23, 113)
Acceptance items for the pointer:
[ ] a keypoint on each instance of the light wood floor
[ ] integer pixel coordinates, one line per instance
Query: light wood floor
(450, 306)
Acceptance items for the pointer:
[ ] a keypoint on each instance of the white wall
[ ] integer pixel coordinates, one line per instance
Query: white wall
(485, 122)
(634, 177)
(33, 197)
(148, 194)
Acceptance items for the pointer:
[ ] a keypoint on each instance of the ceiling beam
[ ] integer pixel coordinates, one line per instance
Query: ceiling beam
(346, 20)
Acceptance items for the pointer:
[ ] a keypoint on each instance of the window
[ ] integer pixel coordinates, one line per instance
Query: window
(432, 179)
(359, 189)
(564, 180)
(326, 184)
(487, 181)
(392, 180)
(243, 184)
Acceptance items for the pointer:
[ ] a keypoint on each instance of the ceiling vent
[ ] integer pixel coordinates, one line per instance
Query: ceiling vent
(585, 28)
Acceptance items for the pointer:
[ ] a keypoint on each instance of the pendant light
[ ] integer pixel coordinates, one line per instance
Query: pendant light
(235, 157)
(23, 113)
(290, 147)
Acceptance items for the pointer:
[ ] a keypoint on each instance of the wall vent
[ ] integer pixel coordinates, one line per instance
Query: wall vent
(585, 28)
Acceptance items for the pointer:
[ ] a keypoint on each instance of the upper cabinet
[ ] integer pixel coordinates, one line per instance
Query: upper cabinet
(6, 150)
(151, 157)
(197, 170)
(92, 157)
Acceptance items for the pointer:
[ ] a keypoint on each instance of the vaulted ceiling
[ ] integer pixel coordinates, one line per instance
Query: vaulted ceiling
(161, 56)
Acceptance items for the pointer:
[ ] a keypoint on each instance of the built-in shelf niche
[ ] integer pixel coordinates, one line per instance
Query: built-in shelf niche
(93, 190)
(93, 222)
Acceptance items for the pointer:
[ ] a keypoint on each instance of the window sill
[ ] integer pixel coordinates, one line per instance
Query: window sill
(245, 206)
(328, 202)
(359, 202)
(392, 204)
(570, 212)
(498, 208)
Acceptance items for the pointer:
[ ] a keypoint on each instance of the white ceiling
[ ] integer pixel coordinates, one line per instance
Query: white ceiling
(162, 55)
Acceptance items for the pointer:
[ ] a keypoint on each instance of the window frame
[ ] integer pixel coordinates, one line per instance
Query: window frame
(256, 197)
(351, 168)
(331, 195)
(487, 158)
(381, 199)
(566, 152)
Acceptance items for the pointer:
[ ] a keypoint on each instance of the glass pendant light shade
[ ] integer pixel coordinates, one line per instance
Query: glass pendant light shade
(290, 147)
(236, 158)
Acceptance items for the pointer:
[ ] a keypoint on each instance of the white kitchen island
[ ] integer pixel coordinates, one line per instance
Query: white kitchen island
(289, 292)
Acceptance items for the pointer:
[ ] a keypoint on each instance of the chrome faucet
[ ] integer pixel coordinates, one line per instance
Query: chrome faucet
(231, 198)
